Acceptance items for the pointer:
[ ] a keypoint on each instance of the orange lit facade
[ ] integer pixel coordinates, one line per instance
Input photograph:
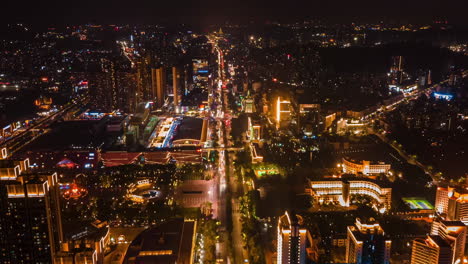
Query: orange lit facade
(85, 246)
(452, 204)
(454, 232)
(431, 250)
(30, 196)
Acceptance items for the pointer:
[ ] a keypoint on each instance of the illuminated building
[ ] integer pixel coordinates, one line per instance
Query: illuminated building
(158, 77)
(403, 88)
(255, 130)
(200, 73)
(329, 121)
(283, 111)
(143, 76)
(190, 132)
(353, 125)
(454, 232)
(452, 204)
(292, 240)
(256, 153)
(341, 190)
(43, 102)
(248, 104)
(112, 89)
(171, 242)
(30, 220)
(85, 245)
(443, 96)
(365, 167)
(432, 250)
(442, 198)
(310, 119)
(396, 71)
(175, 86)
(10, 169)
(367, 243)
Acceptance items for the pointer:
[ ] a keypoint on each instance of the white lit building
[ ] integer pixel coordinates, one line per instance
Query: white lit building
(292, 240)
(364, 167)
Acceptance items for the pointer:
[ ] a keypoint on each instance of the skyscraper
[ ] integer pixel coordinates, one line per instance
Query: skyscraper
(30, 221)
(175, 86)
(432, 250)
(441, 200)
(452, 204)
(158, 77)
(396, 71)
(291, 239)
(112, 89)
(454, 232)
(367, 243)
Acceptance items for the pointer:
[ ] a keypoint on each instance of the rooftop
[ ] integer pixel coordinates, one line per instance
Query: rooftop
(170, 242)
(70, 134)
(189, 128)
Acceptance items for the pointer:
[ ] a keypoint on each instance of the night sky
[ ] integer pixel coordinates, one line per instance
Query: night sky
(209, 11)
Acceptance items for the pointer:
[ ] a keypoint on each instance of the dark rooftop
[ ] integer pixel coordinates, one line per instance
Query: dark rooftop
(189, 128)
(170, 242)
(70, 134)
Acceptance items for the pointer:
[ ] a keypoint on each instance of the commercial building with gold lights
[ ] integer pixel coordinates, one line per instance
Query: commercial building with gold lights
(25, 196)
(452, 203)
(365, 167)
(341, 190)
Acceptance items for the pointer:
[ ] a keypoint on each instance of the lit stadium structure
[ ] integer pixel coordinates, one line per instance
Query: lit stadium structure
(341, 191)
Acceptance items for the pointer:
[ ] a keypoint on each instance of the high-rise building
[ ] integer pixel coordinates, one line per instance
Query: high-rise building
(452, 204)
(85, 245)
(282, 111)
(112, 89)
(454, 232)
(292, 239)
(175, 86)
(432, 250)
(367, 243)
(441, 200)
(30, 221)
(143, 71)
(396, 71)
(248, 104)
(158, 77)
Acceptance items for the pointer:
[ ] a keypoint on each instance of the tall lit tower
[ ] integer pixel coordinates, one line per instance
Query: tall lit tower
(30, 221)
(283, 112)
(431, 250)
(159, 85)
(367, 243)
(454, 232)
(175, 86)
(291, 240)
